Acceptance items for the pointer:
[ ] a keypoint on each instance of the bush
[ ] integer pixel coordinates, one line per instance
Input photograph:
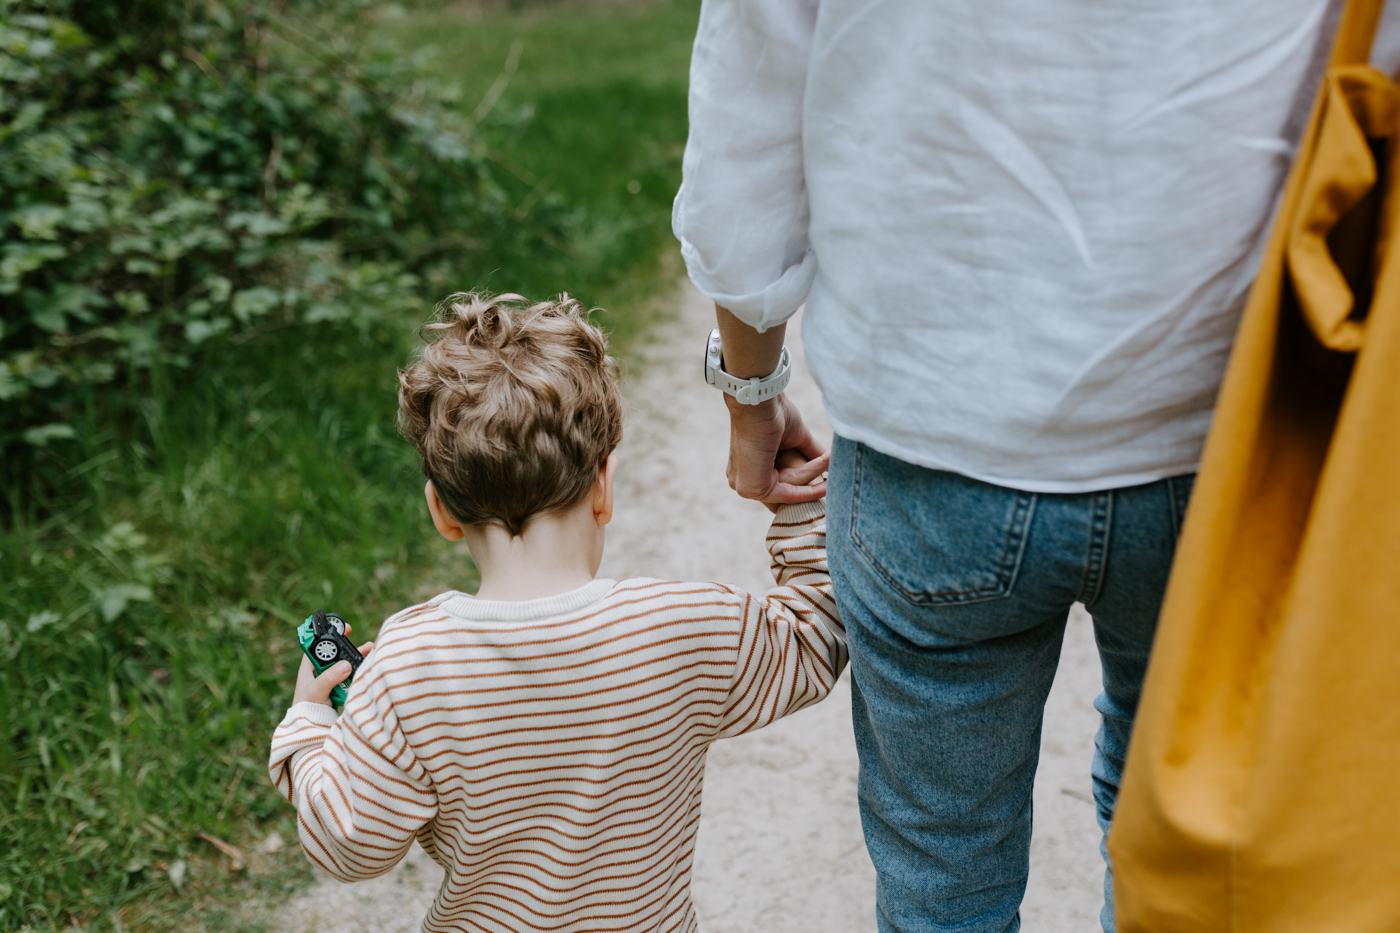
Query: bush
(175, 175)
(181, 184)
(224, 483)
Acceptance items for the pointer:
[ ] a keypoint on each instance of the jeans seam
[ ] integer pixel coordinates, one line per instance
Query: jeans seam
(1016, 541)
(857, 468)
(1096, 559)
(1007, 571)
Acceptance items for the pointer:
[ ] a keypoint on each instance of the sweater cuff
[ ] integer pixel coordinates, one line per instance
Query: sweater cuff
(318, 713)
(793, 513)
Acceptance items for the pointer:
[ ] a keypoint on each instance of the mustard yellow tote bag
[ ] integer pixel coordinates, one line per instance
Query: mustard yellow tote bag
(1262, 791)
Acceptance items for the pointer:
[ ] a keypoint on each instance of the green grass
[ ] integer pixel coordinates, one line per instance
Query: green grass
(147, 606)
(148, 616)
(593, 115)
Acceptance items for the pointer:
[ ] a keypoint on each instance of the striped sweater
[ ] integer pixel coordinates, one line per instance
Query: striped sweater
(549, 754)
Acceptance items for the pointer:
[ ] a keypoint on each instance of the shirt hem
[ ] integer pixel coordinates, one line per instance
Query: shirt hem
(1024, 484)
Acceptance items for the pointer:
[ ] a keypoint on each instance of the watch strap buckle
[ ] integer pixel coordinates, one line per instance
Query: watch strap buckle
(750, 391)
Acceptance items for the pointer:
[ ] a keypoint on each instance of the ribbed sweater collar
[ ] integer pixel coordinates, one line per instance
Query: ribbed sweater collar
(496, 610)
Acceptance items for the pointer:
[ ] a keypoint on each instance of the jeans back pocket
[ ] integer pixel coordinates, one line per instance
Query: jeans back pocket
(934, 536)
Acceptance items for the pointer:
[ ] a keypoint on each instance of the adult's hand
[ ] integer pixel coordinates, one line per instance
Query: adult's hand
(757, 433)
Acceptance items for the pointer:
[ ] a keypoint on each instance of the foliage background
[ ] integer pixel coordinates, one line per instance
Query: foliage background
(172, 173)
(220, 224)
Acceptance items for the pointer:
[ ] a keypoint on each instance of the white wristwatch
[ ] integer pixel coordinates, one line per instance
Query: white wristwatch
(745, 391)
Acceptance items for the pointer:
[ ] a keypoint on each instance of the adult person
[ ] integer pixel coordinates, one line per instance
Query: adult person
(1023, 230)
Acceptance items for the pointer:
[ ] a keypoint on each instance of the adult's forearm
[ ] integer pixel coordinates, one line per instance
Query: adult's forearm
(747, 353)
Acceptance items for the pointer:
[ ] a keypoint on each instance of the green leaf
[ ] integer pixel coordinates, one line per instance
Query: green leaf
(22, 258)
(132, 302)
(258, 224)
(10, 387)
(142, 267)
(50, 310)
(255, 302)
(39, 222)
(41, 620)
(219, 289)
(123, 536)
(40, 436)
(113, 600)
(199, 331)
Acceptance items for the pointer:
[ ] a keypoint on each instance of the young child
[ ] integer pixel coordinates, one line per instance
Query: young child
(545, 739)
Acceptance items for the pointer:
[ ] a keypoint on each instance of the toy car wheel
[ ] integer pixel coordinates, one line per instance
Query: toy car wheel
(325, 651)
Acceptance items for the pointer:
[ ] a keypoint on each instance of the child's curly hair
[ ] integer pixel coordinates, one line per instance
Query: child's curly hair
(513, 406)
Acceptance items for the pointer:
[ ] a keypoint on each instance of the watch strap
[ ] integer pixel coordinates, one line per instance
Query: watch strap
(745, 391)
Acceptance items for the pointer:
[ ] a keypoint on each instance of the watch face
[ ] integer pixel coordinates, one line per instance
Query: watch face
(714, 357)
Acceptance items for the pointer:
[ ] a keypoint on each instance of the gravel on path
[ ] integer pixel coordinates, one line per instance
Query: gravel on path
(780, 848)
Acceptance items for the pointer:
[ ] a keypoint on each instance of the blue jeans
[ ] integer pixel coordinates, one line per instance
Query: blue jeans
(955, 594)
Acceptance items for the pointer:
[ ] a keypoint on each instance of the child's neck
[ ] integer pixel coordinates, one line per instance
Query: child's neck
(555, 553)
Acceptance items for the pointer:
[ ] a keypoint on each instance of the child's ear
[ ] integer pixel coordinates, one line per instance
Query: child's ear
(603, 494)
(447, 526)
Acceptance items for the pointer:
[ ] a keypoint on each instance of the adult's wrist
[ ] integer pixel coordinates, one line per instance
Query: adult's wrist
(747, 353)
(762, 411)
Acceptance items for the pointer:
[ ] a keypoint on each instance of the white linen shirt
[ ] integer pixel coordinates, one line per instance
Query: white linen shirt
(1024, 229)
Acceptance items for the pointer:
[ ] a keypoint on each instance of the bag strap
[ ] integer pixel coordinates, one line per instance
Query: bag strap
(1357, 32)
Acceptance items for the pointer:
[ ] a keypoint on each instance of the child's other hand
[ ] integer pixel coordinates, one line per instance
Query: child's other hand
(313, 689)
(797, 470)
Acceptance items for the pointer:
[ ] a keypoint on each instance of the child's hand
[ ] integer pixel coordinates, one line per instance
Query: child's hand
(797, 470)
(313, 689)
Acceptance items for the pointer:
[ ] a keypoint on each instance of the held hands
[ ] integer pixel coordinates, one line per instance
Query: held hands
(796, 470)
(760, 434)
(772, 456)
(313, 689)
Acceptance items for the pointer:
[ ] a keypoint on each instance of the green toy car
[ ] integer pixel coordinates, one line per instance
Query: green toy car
(322, 638)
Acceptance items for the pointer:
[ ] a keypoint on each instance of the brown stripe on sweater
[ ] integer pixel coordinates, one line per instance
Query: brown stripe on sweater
(415, 645)
(648, 717)
(545, 670)
(437, 614)
(413, 698)
(565, 699)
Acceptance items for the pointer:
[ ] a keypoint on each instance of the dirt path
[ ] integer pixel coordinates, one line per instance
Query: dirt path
(780, 848)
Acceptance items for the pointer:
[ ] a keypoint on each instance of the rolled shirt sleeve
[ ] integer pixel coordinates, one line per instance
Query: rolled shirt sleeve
(742, 214)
